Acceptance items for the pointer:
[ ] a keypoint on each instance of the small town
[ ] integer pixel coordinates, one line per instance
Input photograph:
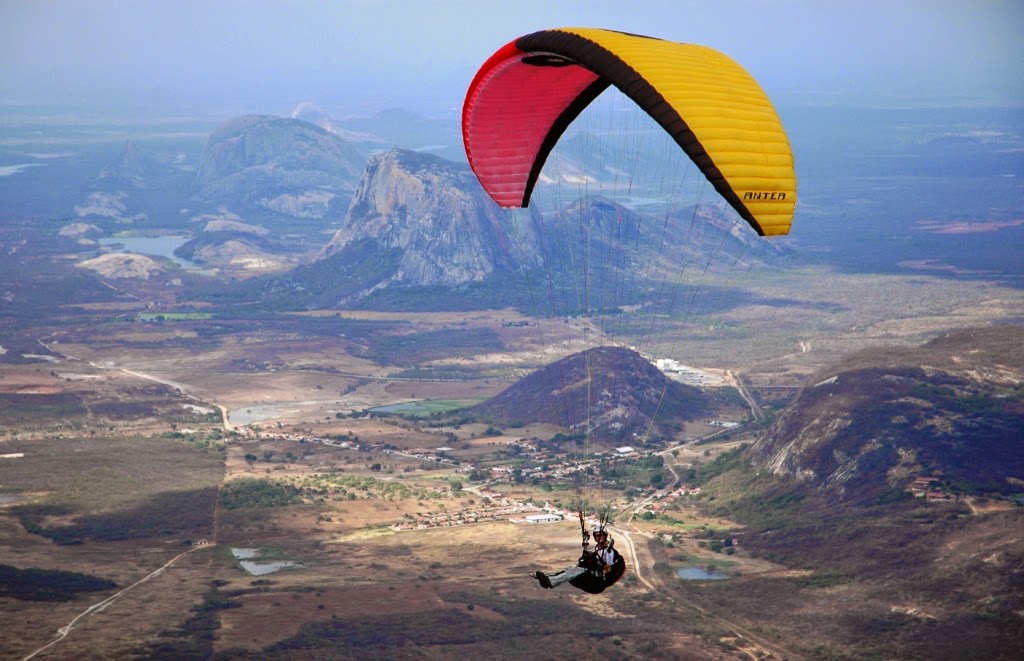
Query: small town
(537, 465)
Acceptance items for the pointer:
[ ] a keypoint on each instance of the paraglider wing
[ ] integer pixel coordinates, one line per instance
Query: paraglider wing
(525, 96)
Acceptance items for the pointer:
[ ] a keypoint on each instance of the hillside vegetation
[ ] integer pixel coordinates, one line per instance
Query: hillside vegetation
(895, 477)
(614, 392)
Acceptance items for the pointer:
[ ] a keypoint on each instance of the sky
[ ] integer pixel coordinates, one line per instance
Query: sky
(358, 56)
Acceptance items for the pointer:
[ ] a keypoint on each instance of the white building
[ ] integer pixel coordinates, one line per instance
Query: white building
(689, 375)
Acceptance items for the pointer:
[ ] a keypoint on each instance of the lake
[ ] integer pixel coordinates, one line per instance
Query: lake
(161, 246)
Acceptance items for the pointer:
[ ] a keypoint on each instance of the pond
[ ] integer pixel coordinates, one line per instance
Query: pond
(700, 574)
(261, 568)
(161, 246)
(245, 559)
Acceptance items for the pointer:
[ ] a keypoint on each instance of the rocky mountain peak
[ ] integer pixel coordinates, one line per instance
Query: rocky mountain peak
(132, 167)
(448, 231)
(277, 164)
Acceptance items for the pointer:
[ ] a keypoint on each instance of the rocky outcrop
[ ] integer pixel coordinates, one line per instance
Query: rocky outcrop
(419, 221)
(123, 265)
(238, 254)
(79, 230)
(230, 225)
(102, 207)
(132, 168)
(282, 165)
(226, 243)
(448, 231)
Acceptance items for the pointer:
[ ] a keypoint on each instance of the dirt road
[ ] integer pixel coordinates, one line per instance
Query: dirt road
(180, 387)
(63, 632)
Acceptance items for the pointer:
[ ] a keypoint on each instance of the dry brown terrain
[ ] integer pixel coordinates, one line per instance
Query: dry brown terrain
(122, 414)
(352, 564)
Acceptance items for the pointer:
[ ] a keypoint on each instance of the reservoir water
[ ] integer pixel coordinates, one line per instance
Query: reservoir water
(261, 568)
(161, 246)
(245, 559)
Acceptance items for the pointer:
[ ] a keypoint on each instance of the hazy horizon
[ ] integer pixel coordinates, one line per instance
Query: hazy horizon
(358, 57)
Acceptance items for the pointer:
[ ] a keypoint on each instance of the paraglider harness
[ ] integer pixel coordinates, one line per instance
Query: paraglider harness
(599, 574)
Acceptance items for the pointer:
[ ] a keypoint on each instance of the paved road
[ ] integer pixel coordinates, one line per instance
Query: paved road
(755, 410)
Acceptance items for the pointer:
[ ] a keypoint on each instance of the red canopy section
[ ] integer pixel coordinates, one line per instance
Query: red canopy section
(517, 107)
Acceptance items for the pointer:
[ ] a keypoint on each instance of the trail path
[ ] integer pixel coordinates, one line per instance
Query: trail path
(180, 387)
(95, 608)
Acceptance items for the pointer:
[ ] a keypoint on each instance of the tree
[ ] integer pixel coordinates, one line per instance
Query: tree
(456, 486)
(251, 459)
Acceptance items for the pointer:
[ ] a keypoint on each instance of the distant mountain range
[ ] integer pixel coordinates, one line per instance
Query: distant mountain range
(296, 176)
(388, 129)
(874, 184)
(265, 193)
(258, 197)
(419, 225)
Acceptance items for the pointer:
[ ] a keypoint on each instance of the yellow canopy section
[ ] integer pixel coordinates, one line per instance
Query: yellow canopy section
(711, 106)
